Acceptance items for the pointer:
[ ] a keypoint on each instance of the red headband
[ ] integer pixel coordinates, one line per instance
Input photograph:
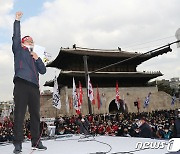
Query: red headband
(25, 38)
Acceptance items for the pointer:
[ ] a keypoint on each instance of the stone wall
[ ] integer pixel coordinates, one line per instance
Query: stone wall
(158, 100)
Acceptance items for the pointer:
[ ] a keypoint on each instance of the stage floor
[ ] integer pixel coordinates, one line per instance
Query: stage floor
(79, 144)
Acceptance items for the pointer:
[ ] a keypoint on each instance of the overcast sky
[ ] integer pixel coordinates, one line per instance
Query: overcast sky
(133, 25)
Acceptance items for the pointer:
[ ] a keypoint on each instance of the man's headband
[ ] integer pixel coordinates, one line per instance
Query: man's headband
(25, 38)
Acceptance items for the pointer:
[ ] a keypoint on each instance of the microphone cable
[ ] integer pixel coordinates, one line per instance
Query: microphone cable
(5, 143)
(101, 152)
(130, 152)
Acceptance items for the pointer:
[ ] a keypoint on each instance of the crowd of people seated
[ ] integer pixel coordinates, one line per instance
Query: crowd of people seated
(158, 124)
(155, 124)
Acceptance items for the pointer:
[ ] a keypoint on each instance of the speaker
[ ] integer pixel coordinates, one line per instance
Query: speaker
(135, 103)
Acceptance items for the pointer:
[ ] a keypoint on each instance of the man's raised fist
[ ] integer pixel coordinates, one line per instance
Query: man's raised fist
(18, 15)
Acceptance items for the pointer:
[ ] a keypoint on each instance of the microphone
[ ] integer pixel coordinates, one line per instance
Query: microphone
(31, 49)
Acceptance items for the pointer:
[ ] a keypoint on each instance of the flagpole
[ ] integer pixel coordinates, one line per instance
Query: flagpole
(56, 112)
(86, 79)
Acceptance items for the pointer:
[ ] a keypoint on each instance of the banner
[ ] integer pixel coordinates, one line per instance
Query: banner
(124, 103)
(139, 103)
(98, 99)
(67, 101)
(56, 96)
(117, 99)
(70, 102)
(80, 93)
(173, 100)
(90, 91)
(146, 102)
(75, 98)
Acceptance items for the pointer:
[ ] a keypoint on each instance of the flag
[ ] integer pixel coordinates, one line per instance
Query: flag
(80, 93)
(56, 96)
(124, 103)
(139, 103)
(70, 102)
(90, 91)
(173, 100)
(10, 110)
(99, 99)
(117, 99)
(93, 101)
(146, 102)
(4, 112)
(67, 102)
(75, 98)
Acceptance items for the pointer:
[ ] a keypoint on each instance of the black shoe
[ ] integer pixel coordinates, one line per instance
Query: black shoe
(17, 148)
(39, 146)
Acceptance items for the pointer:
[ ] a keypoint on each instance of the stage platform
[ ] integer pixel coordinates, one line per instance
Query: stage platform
(79, 144)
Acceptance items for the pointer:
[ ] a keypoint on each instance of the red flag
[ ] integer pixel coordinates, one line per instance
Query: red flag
(78, 112)
(98, 99)
(93, 101)
(117, 96)
(70, 102)
(138, 105)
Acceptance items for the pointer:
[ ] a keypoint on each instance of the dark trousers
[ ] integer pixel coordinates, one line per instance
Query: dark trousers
(26, 95)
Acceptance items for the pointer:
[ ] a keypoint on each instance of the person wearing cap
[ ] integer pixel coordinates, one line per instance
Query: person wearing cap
(176, 130)
(27, 66)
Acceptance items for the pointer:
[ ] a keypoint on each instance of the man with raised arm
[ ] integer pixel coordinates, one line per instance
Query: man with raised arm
(27, 66)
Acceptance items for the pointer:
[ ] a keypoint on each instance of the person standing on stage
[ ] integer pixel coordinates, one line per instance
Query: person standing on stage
(27, 66)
